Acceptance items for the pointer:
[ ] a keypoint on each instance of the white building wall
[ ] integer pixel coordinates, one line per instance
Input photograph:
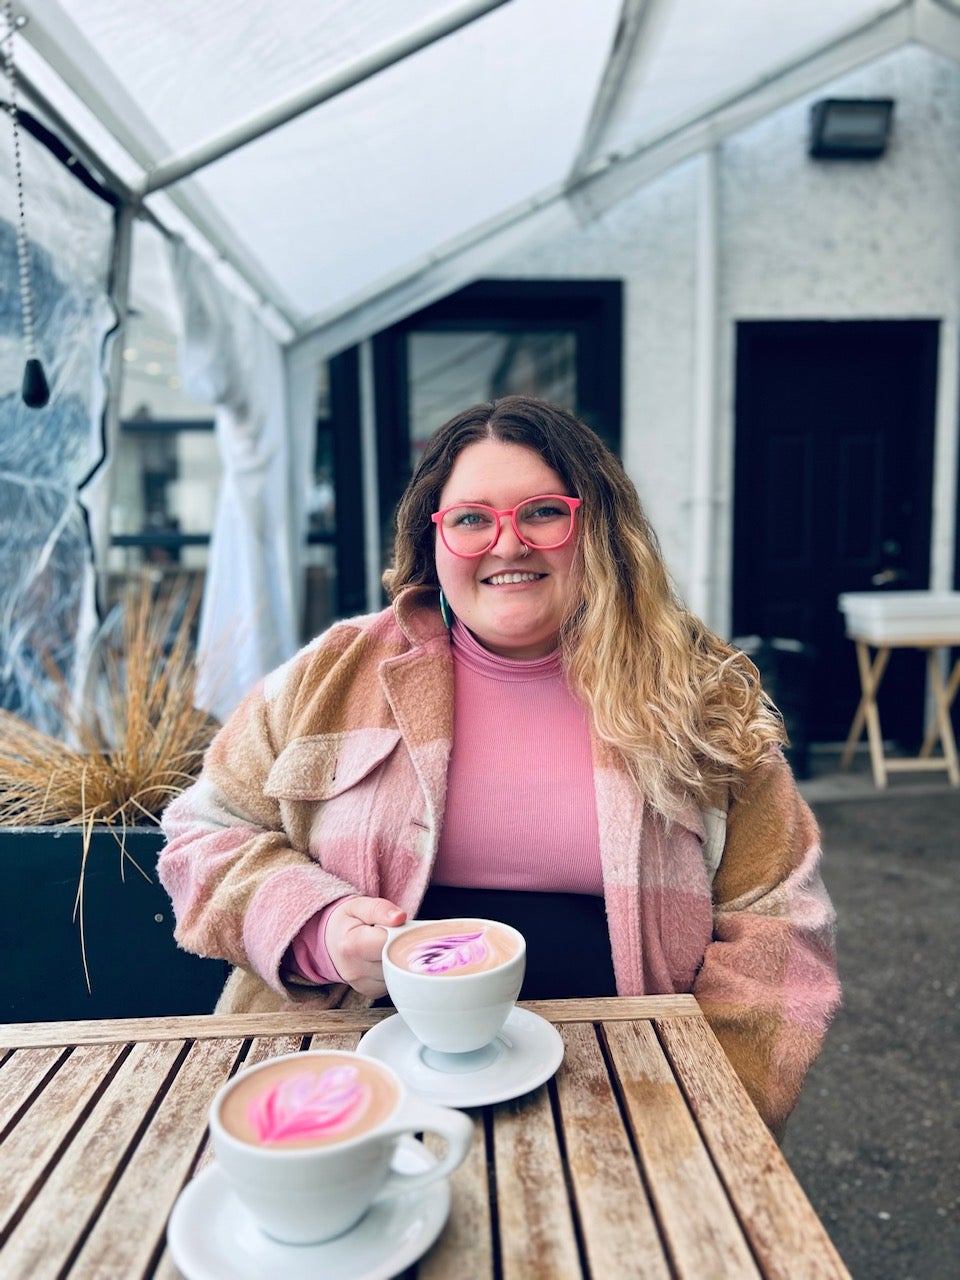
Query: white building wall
(798, 239)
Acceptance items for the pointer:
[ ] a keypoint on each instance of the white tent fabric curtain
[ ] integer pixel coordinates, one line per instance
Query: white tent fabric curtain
(251, 603)
(47, 608)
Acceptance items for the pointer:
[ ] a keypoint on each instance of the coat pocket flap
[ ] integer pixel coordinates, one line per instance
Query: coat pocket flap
(327, 764)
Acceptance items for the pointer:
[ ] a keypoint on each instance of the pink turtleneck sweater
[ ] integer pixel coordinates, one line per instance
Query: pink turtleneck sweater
(521, 809)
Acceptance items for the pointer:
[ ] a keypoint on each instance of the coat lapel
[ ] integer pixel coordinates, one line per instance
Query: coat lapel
(419, 688)
(632, 852)
(620, 819)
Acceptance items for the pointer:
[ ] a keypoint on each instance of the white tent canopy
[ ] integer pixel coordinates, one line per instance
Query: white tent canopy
(397, 189)
(343, 163)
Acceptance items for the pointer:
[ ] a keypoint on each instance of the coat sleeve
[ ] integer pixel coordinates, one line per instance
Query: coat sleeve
(768, 984)
(240, 890)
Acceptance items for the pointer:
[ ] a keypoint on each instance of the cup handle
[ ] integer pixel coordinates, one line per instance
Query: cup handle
(455, 1127)
(391, 930)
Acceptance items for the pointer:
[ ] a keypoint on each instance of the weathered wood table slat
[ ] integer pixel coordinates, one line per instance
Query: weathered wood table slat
(642, 1157)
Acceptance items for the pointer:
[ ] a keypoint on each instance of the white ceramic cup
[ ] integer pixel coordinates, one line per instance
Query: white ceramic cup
(451, 1005)
(304, 1194)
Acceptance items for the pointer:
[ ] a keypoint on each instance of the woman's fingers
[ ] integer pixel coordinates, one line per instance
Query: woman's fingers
(377, 911)
(355, 936)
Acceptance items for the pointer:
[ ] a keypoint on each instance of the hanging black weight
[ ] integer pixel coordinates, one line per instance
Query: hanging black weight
(35, 389)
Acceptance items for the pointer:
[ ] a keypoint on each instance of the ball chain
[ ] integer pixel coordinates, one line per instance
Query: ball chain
(35, 391)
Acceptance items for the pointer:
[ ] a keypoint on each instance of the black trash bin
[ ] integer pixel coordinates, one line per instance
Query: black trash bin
(785, 667)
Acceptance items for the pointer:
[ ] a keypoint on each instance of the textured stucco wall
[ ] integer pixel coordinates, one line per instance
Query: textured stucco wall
(797, 239)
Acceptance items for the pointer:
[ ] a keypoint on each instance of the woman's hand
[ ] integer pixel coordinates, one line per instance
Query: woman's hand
(354, 939)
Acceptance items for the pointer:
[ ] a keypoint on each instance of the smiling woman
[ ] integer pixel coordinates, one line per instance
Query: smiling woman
(507, 571)
(535, 731)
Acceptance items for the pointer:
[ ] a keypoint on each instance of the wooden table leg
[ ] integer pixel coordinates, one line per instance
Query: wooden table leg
(941, 727)
(870, 676)
(856, 729)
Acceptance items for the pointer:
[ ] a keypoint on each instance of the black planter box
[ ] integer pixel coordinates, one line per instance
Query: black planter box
(136, 969)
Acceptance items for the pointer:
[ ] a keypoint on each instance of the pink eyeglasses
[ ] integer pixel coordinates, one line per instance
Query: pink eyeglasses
(471, 529)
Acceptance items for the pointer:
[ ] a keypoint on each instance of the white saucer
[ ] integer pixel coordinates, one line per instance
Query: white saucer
(211, 1236)
(531, 1050)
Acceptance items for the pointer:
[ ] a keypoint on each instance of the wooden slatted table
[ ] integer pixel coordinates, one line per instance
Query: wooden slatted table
(643, 1157)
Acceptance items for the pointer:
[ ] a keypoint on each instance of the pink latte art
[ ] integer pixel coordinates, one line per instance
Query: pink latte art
(458, 951)
(452, 948)
(307, 1106)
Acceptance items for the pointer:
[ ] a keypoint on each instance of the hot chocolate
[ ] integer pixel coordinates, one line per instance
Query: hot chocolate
(452, 948)
(316, 1102)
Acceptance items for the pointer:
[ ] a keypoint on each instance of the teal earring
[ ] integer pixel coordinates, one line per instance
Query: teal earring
(445, 611)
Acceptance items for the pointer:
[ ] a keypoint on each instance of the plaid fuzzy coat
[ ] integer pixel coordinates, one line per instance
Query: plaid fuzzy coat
(330, 778)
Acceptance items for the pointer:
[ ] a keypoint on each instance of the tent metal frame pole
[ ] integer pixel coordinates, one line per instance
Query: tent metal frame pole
(66, 132)
(703, 445)
(946, 479)
(452, 265)
(120, 297)
(253, 280)
(96, 491)
(206, 153)
(60, 44)
(373, 567)
(937, 26)
(637, 166)
(640, 20)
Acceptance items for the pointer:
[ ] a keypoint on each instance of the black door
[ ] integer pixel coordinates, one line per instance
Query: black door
(833, 479)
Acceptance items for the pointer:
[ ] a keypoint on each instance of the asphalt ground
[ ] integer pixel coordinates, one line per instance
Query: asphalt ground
(875, 1139)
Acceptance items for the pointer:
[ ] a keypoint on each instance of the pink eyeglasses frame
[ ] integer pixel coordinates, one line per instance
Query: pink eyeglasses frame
(574, 503)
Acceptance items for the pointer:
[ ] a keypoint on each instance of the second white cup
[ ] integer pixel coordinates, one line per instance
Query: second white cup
(454, 982)
(306, 1140)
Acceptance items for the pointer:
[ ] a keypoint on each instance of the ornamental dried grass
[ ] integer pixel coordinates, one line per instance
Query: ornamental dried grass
(133, 748)
(138, 744)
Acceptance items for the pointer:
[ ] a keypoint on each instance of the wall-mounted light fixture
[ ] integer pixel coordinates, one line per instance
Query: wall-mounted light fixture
(850, 128)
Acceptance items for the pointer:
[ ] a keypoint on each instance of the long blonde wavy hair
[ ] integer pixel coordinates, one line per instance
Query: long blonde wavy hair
(684, 709)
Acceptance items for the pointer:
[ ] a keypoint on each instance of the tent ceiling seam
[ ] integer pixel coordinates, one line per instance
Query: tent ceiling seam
(883, 33)
(896, 18)
(439, 258)
(111, 180)
(640, 22)
(937, 27)
(174, 169)
(59, 42)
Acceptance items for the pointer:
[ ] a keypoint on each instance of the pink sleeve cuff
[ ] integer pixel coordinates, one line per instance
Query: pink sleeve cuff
(307, 955)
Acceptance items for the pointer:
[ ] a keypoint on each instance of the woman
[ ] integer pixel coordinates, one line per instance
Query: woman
(535, 730)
